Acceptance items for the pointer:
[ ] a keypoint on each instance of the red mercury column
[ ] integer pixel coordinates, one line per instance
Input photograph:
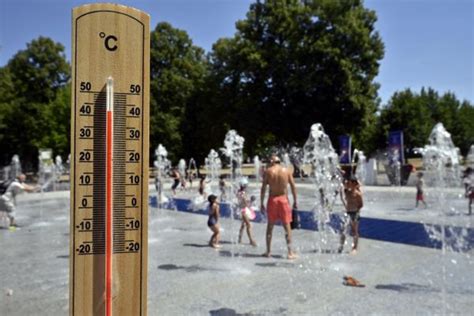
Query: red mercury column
(109, 197)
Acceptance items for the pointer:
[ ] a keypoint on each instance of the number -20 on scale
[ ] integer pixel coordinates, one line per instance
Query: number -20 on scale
(109, 170)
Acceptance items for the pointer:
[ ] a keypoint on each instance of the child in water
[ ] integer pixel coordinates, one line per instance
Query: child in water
(353, 202)
(213, 221)
(247, 211)
(468, 181)
(222, 187)
(202, 185)
(419, 189)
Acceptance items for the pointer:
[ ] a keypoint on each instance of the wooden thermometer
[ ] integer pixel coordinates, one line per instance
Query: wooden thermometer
(109, 171)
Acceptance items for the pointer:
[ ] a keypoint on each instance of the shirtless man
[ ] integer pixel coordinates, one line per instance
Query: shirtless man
(278, 206)
(353, 202)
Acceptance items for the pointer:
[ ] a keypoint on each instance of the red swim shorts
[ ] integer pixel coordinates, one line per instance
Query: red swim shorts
(278, 208)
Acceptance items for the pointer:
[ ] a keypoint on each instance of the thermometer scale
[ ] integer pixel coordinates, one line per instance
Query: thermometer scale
(109, 171)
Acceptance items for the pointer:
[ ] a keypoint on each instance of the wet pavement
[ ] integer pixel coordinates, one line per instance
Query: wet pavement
(186, 277)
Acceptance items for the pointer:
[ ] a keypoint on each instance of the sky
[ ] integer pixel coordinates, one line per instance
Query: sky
(428, 43)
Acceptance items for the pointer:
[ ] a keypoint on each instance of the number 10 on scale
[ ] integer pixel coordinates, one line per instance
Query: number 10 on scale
(109, 172)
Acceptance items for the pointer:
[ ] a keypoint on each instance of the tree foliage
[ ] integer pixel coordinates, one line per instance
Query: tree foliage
(40, 70)
(293, 63)
(417, 113)
(30, 84)
(177, 69)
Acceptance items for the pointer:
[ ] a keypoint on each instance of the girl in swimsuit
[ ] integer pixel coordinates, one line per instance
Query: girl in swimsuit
(213, 220)
(247, 212)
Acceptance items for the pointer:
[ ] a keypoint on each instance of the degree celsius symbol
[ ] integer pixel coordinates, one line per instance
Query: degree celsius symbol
(107, 40)
(109, 170)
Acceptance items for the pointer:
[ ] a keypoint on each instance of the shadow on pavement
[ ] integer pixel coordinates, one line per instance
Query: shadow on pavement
(407, 287)
(197, 245)
(224, 312)
(276, 264)
(192, 268)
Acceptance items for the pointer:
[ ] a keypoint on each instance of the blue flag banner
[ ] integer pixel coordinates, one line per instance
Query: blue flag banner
(395, 146)
(345, 149)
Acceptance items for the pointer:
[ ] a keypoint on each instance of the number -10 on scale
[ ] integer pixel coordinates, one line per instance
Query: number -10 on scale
(109, 172)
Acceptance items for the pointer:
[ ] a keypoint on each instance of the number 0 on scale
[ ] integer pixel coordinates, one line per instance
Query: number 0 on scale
(109, 171)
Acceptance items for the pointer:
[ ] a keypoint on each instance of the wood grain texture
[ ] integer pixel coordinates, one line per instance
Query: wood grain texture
(109, 40)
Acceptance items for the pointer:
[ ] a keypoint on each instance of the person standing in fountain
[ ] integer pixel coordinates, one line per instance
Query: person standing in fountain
(213, 221)
(182, 181)
(246, 211)
(190, 175)
(176, 178)
(468, 181)
(8, 199)
(419, 190)
(202, 185)
(158, 186)
(278, 208)
(353, 202)
(222, 187)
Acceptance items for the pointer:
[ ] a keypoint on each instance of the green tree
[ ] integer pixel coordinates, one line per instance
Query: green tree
(206, 121)
(408, 112)
(40, 70)
(6, 97)
(465, 118)
(34, 78)
(417, 113)
(178, 68)
(293, 63)
(57, 117)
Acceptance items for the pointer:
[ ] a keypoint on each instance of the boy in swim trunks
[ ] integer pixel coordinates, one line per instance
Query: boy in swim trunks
(278, 207)
(353, 202)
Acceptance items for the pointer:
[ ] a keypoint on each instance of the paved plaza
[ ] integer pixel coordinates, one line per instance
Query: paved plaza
(186, 277)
